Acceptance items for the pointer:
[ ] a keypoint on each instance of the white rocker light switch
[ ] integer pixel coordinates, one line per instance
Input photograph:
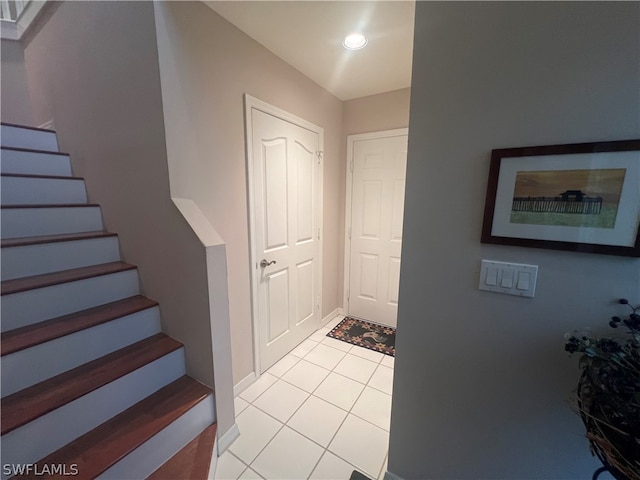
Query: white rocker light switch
(523, 281)
(510, 278)
(507, 278)
(492, 276)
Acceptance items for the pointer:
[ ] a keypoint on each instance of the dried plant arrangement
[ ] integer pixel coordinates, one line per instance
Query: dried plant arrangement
(608, 393)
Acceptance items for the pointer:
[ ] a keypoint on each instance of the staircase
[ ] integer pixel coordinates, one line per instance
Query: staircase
(90, 384)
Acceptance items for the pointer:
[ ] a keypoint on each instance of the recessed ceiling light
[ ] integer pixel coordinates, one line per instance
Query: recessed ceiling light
(354, 41)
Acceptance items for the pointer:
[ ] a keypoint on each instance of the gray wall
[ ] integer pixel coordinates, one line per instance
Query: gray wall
(16, 105)
(481, 379)
(93, 69)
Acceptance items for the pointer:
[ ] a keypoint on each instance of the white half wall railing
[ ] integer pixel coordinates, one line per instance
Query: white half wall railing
(216, 258)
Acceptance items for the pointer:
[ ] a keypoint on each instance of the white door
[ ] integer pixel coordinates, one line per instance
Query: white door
(374, 227)
(285, 169)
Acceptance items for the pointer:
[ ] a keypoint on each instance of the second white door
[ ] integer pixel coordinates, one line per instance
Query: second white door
(377, 171)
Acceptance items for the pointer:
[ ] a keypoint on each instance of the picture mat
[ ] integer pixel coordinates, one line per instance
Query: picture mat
(628, 217)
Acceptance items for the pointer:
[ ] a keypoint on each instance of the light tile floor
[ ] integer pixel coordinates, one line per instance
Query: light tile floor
(319, 413)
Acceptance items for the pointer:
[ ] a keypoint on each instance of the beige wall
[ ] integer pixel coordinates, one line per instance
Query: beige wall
(207, 65)
(374, 113)
(481, 379)
(93, 69)
(16, 105)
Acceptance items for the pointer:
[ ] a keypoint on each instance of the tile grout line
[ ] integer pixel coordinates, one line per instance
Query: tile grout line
(325, 449)
(267, 444)
(285, 424)
(246, 467)
(350, 411)
(316, 388)
(386, 461)
(312, 394)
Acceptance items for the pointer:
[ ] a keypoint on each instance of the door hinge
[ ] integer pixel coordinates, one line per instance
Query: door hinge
(348, 294)
(320, 155)
(318, 233)
(349, 233)
(317, 303)
(351, 166)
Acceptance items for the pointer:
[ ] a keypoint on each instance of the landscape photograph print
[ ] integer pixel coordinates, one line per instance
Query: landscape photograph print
(570, 198)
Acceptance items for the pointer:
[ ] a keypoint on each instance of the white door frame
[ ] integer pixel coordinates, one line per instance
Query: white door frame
(351, 139)
(254, 103)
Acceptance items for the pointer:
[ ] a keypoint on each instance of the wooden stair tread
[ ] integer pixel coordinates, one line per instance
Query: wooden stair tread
(27, 127)
(34, 150)
(33, 175)
(26, 405)
(52, 205)
(64, 237)
(47, 279)
(31, 335)
(105, 445)
(192, 461)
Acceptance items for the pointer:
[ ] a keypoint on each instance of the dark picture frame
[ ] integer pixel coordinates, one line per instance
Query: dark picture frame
(582, 197)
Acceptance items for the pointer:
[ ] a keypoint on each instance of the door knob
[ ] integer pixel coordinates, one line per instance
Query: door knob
(265, 264)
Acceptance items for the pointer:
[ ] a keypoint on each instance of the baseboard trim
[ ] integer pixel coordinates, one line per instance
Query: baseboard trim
(331, 316)
(245, 383)
(391, 476)
(213, 465)
(228, 438)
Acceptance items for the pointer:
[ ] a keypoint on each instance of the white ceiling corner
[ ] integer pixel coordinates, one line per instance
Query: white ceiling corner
(308, 35)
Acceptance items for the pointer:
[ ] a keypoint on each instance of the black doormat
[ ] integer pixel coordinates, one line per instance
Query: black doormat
(366, 334)
(356, 475)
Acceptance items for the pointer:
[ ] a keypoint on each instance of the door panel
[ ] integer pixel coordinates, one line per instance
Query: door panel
(306, 161)
(373, 160)
(368, 278)
(277, 286)
(275, 191)
(394, 281)
(397, 211)
(286, 212)
(305, 292)
(377, 207)
(371, 209)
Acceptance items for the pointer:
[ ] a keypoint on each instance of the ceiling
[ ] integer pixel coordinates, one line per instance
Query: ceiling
(308, 35)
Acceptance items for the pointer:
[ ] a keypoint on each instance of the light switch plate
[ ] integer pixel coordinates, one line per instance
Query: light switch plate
(510, 278)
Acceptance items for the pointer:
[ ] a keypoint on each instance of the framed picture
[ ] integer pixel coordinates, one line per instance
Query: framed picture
(582, 197)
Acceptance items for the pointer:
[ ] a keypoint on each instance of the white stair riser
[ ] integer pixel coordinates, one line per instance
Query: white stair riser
(28, 138)
(28, 260)
(44, 191)
(149, 456)
(46, 434)
(30, 222)
(33, 306)
(34, 163)
(28, 367)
